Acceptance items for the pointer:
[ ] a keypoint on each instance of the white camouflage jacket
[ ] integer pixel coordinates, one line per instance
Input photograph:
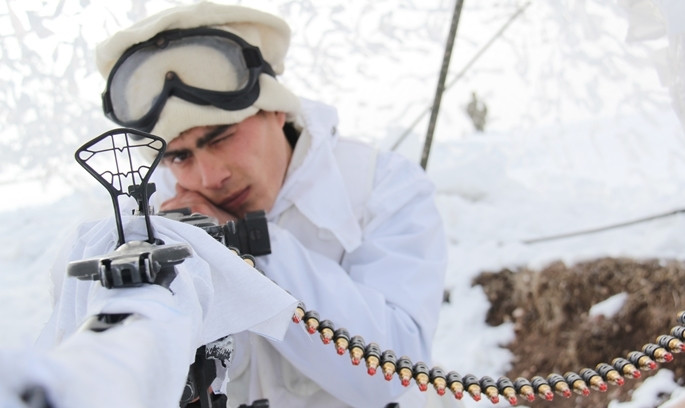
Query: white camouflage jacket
(356, 236)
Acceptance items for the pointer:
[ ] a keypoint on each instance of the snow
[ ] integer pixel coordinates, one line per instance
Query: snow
(609, 306)
(506, 190)
(661, 383)
(581, 135)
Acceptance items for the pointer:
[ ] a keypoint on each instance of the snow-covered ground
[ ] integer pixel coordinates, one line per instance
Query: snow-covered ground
(507, 189)
(544, 166)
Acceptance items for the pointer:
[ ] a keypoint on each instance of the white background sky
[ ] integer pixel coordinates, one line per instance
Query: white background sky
(378, 62)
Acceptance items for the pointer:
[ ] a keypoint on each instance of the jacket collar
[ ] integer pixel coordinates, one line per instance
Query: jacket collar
(314, 183)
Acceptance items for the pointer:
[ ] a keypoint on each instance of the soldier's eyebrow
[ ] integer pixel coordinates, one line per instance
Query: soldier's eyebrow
(211, 134)
(169, 154)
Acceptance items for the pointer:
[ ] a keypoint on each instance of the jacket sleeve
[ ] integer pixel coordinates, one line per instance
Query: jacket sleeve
(388, 290)
(146, 357)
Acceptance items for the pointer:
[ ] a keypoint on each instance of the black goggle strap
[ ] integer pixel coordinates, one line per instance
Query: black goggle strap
(173, 86)
(230, 100)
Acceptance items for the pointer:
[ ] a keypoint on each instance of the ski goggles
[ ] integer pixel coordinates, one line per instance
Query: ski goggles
(203, 66)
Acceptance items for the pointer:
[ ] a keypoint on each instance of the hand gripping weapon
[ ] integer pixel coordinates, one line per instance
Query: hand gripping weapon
(109, 158)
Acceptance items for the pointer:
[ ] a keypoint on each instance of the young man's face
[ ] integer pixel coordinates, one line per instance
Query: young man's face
(238, 168)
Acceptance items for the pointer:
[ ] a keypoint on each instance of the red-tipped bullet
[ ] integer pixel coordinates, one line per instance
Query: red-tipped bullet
(404, 370)
(642, 360)
(593, 379)
(420, 374)
(388, 364)
(311, 321)
(356, 349)
(372, 355)
(576, 383)
(657, 353)
(625, 367)
(506, 388)
(472, 386)
(542, 387)
(671, 343)
(436, 376)
(455, 384)
(524, 388)
(299, 312)
(609, 374)
(326, 331)
(489, 388)
(559, 385)
(341, 338)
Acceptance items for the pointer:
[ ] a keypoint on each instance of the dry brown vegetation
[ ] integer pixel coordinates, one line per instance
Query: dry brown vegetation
(555, 333)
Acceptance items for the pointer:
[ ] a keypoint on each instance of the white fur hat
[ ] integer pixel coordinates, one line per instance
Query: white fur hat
(268, 32)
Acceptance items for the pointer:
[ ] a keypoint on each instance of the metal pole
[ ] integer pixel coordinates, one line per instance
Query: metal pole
(441, 82)
(461, 73)
(604, 228)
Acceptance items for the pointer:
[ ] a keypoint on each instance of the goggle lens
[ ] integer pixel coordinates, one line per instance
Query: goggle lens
(204, 66)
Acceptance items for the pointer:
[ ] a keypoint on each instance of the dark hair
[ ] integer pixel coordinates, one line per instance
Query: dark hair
(291, 133)
(289, 129)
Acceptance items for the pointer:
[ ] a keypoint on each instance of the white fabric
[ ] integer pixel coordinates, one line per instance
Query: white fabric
(142, 363)
(145, 363)
(355, 235)
(266, 31)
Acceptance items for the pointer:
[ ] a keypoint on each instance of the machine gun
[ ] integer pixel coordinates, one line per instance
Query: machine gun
(132, 263)
(151, 262)
(109, 158)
